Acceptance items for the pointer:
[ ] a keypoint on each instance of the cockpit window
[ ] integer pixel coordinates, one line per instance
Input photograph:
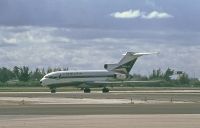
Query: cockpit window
(51, 77)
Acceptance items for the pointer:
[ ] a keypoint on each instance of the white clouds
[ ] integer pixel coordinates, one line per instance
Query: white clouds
(9, 40)
(28, 34)
(157, 15)
(93, 53)
(127, 14)
(131, 14)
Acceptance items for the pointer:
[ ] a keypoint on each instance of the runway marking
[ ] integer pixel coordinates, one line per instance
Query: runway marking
(26, 100)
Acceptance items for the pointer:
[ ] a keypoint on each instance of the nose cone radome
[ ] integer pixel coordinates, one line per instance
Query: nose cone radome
(42, 81)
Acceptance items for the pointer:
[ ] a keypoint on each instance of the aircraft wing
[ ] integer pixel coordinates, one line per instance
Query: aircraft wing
(121, 82)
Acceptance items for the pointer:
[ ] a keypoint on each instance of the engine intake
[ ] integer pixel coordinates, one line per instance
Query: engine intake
(120, 76)
(106, 66)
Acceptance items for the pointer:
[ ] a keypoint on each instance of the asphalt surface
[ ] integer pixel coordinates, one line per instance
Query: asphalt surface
(93, 109)
(101, 121)
(190, 104)
(176, 96)
(179, 110)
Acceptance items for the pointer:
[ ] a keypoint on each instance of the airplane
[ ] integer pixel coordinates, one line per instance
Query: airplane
(117, 73)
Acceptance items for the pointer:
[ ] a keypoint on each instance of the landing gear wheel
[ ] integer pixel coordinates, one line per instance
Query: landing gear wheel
(105, 90)
(53, 90)
(87, 90)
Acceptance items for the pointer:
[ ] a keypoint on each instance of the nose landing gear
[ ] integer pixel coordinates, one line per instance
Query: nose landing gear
(53, 90)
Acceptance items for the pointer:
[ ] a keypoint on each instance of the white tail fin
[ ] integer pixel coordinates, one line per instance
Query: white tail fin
(126, 63)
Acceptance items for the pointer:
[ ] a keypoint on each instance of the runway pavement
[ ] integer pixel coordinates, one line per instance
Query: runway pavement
(77, 103)
(179, 95)
(184, 96)
(113, 110)
(99, 109)
(102, 121)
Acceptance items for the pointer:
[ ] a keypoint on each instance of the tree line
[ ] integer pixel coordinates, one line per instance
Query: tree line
(182, 78)
(24, 73)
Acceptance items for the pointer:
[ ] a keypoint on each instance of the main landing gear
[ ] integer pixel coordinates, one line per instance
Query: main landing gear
(88, 90)
(53, 90)
(105, 90)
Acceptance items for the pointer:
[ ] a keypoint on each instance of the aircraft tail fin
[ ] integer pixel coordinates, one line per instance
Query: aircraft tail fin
(126, 63)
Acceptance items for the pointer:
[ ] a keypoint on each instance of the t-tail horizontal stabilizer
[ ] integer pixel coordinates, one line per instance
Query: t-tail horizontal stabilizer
(126, 63)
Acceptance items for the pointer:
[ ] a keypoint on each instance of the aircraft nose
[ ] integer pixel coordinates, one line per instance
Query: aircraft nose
(42, 81)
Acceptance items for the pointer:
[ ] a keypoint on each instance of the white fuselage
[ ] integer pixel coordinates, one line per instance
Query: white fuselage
(75, 77)
(118, 70)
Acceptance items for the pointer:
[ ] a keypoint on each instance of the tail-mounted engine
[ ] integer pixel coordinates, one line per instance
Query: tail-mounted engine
(120, 76)
(110, 67)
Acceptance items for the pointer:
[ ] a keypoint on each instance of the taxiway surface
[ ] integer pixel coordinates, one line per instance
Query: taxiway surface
(117, 109)
(78, 103)
(101, 121)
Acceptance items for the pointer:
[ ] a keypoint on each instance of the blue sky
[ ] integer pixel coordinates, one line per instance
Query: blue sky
(96, 14)
(78, 33)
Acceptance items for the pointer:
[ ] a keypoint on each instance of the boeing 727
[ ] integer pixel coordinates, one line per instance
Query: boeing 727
(113, 74)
